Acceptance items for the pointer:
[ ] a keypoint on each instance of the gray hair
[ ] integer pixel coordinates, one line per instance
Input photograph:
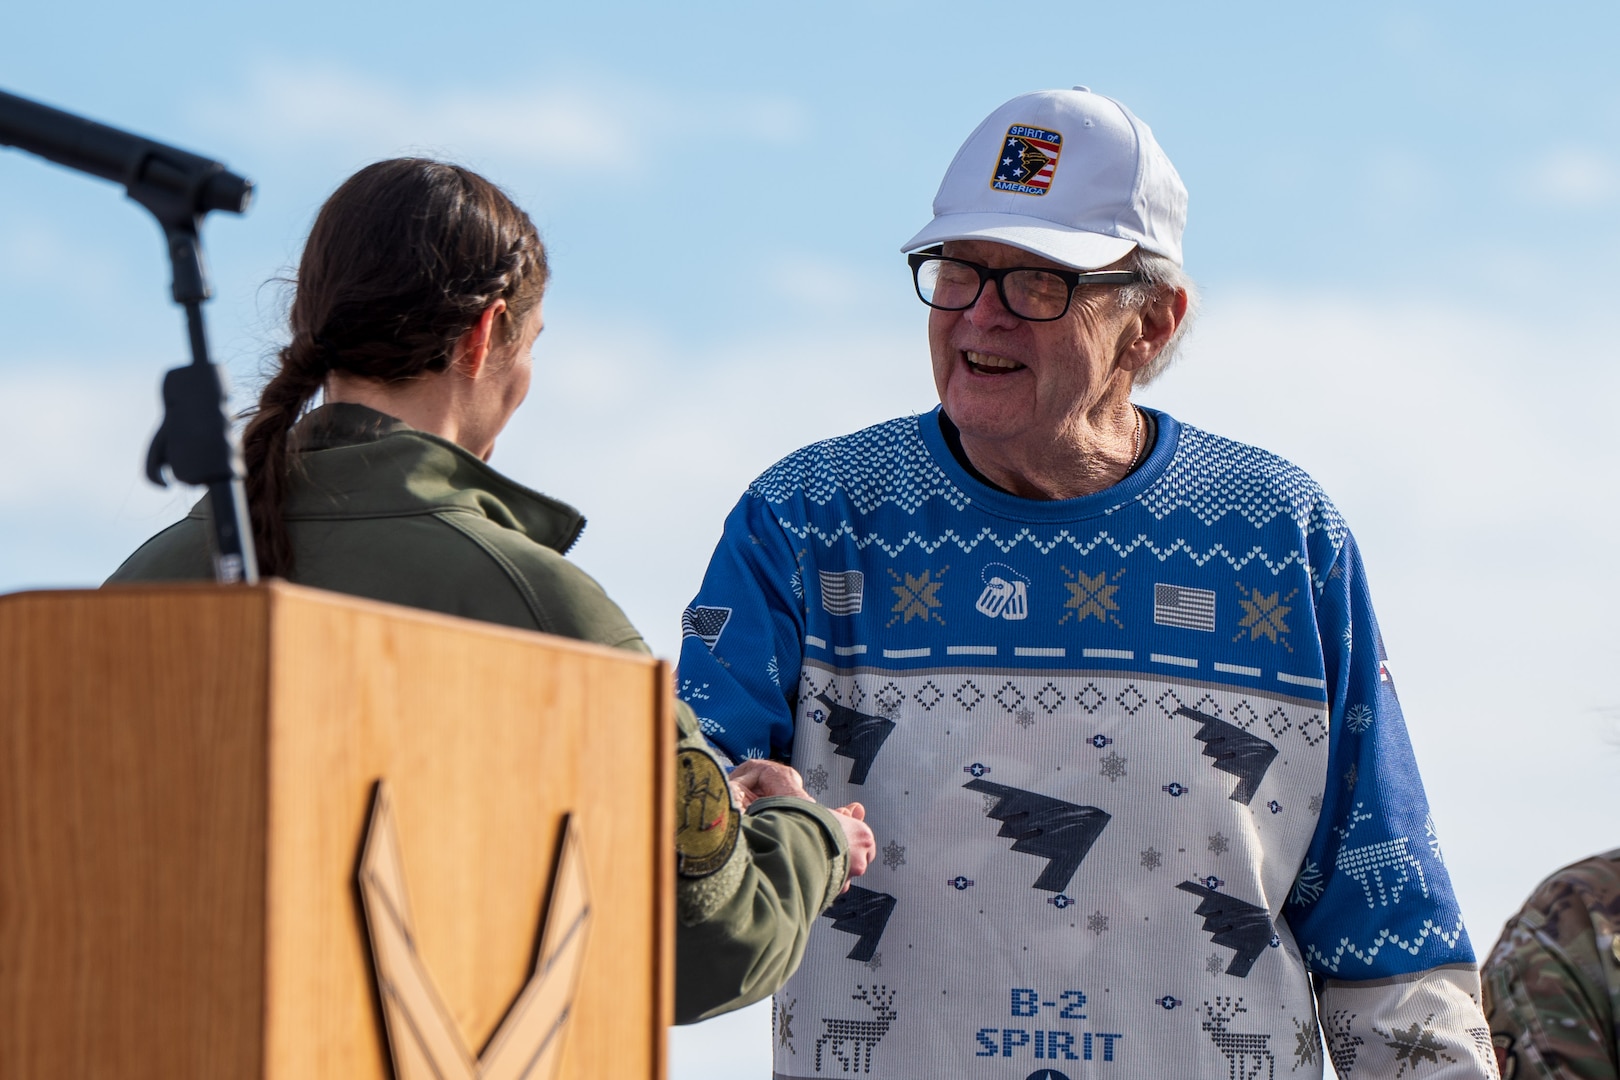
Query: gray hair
(1158, 273)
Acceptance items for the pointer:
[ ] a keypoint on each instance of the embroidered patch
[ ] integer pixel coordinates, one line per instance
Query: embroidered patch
(706, 819)
(1027, 161)
(1507, 1061)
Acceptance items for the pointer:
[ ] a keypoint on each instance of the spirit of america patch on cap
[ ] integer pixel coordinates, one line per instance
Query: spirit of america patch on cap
(1027, 161)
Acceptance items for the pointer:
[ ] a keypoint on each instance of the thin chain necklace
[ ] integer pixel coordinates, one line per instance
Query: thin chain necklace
(1136, 439)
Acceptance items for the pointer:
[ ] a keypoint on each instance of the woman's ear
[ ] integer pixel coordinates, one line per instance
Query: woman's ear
(473, 348)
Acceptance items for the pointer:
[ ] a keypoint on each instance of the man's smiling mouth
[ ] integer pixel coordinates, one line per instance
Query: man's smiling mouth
(990, 364)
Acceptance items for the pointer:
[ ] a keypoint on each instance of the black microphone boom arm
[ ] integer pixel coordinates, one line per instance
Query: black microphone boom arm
(194, 441)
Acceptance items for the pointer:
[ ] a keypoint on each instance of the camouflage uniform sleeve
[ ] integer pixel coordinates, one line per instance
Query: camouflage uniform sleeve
(1552, 984)
(749, 887)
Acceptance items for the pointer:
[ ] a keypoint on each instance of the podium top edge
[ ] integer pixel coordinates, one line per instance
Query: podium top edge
(277, 592)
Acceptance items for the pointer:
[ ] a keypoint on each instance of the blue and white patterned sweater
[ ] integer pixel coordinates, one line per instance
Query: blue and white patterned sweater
(1135, 763)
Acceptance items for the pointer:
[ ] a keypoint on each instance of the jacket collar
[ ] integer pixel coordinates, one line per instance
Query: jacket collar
(357, 462)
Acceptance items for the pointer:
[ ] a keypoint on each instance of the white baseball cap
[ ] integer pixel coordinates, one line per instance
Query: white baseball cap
(1067, 174)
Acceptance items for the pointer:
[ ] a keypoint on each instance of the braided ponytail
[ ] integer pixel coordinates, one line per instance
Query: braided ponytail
(265, 451)
(401, 261)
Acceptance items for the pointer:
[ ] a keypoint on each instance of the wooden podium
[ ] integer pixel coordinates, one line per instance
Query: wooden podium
(188, 780)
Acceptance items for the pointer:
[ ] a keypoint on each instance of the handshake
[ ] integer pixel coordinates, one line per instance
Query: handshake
(757, 779)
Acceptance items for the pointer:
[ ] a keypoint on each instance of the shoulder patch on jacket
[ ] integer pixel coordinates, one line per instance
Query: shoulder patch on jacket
(706, 819)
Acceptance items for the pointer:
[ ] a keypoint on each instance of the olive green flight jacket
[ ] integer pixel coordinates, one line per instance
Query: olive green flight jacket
(380, 510)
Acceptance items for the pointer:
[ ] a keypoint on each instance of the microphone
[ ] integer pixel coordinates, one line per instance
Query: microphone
(166, 180)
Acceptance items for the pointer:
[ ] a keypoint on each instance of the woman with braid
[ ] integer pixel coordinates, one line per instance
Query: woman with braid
(418, 300)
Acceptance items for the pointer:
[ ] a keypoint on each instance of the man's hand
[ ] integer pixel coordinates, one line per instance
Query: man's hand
(862, 844)
(758, 778)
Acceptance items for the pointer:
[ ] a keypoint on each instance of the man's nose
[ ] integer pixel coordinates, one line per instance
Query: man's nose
(988, 310)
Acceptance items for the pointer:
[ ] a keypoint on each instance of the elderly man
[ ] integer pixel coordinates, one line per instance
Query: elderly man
(1109, 686)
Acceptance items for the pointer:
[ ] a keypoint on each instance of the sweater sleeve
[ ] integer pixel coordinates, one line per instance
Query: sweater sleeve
(1372, 908)
(743, 637)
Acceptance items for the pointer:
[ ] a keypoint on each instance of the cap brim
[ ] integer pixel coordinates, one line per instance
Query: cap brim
(1071, 247)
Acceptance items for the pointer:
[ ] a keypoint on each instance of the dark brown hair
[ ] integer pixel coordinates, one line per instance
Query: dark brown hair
(401, 261)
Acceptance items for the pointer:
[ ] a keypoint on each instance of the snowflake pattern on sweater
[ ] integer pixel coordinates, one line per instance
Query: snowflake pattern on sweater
(1166, 704)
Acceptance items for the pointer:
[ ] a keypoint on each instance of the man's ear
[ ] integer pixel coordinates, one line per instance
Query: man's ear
(473, 348)
(1159, 318)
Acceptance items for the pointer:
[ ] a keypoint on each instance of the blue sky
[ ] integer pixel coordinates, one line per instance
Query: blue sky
(1466, 148)
(1404, 219)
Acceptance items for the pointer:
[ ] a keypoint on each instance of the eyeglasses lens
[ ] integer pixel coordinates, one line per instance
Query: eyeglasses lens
(954, 286)
(1034, 294)
(946, 284)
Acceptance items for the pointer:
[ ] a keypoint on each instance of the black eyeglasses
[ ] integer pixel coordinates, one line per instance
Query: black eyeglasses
(1037, 294)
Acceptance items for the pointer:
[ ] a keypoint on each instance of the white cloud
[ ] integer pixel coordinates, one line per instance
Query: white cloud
(34, 250)
(1406, 34)
(73, 497)
(1398, 181)
(1574, 177)
(64, 420)
(819, 283)
(596, 131)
